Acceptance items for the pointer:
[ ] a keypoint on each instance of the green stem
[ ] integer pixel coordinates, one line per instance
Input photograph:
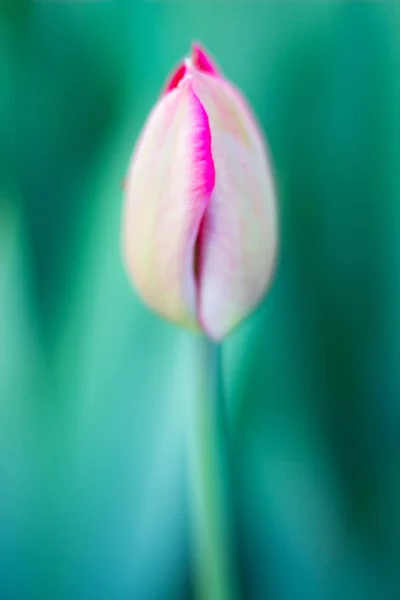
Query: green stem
(214, 542)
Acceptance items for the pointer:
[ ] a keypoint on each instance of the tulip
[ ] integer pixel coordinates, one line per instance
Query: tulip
(200, 221)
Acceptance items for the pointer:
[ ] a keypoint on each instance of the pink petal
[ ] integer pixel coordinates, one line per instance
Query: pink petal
(168, 189)
(239, 230)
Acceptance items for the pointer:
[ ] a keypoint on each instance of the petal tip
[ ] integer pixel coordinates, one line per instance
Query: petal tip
(175, 79)
(202, 60)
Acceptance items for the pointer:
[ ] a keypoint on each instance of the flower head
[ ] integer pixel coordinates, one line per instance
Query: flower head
(200, 224)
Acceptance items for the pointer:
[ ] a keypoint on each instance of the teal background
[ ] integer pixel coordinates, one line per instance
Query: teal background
(94, 388)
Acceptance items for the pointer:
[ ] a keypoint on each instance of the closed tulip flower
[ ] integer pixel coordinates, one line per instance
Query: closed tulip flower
(200, 222)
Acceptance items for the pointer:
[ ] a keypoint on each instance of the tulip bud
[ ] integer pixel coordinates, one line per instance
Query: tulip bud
(200, 222)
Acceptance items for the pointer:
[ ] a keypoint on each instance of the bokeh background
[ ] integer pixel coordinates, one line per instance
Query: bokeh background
(94, 389)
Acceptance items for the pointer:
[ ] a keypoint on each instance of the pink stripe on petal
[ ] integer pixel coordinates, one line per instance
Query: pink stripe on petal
(205, 176)
(205, 171)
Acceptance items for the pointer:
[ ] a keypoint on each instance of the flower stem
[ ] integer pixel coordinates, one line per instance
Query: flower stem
(214, 541)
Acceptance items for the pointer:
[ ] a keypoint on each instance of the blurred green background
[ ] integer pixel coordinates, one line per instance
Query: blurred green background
(95, 389)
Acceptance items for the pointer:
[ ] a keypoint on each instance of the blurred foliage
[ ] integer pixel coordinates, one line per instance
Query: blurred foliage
(94, 388)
